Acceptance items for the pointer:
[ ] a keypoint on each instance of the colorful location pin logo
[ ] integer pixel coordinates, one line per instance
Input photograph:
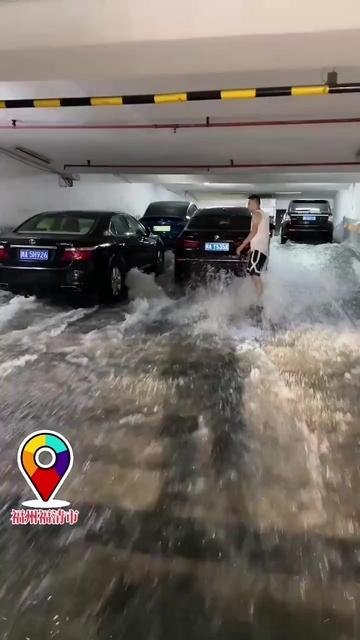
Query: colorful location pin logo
(45, 459)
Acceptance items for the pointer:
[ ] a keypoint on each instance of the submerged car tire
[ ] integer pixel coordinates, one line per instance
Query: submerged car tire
(114, 286)
(283, 239)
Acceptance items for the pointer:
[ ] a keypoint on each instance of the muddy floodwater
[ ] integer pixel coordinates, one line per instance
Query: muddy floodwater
(216, 458)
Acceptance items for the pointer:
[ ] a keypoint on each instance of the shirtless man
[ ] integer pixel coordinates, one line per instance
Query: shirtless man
(258, 239)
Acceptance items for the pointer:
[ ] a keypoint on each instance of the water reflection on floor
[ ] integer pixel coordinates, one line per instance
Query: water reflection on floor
(216, 464)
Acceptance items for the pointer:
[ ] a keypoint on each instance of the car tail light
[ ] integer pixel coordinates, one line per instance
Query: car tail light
(4, 253)
(72, 254)
(190, 244)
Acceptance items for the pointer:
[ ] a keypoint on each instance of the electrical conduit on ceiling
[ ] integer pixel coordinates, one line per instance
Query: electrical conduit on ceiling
(209, 167)
(207, 124)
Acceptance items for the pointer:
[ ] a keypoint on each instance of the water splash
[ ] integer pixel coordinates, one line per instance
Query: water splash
(215, 459)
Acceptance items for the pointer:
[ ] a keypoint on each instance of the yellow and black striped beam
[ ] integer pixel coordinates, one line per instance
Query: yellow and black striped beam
(187, 96)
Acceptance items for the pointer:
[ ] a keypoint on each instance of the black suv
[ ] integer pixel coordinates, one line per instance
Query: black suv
(168, 219)
(307, 220)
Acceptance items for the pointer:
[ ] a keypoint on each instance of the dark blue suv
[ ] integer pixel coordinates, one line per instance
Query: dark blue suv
(168, 219)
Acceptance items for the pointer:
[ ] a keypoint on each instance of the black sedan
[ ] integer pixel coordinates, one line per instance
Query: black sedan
(307, 220)
(210, 240)
(79, 251)
(168, 219)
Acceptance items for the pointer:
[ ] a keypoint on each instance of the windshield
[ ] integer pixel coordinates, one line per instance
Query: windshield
(221, 221)
(167, 210)
(306, 205)
(78, 224)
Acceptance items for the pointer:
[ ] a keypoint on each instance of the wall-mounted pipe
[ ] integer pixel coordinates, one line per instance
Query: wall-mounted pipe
(209, 167)
(32, 163)
(183, 96)
(207, 124)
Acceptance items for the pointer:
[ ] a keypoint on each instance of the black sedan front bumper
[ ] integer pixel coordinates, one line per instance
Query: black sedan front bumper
(31, 280)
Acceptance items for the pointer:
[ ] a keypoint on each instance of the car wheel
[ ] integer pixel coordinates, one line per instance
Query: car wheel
(115, 287)
(160, 262)
(283, 239)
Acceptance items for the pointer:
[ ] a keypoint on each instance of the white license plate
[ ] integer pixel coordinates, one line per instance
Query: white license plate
(309, 218)
(217, 246)
(162, 228)
(34, 255)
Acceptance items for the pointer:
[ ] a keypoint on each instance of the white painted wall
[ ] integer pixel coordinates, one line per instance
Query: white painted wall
(347, 205)
(356, 201)
(21, 197)
(344, 204)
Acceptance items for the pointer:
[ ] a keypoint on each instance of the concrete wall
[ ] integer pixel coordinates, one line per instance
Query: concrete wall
(21, 197)
(344, 204)
(356, 201)
(347, 215)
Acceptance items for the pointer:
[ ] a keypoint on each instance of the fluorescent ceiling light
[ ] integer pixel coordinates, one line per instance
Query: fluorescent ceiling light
(223, 184)
(33, 154)
(288, 192)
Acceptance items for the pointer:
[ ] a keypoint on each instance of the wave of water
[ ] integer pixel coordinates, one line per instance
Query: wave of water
(216, 461)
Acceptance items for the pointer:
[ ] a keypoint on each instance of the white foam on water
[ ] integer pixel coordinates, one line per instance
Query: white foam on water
(300, 410)
(217, 308)
(15, 306)
(50, 327)
(9, 366)
(356, 267)
(142, 285)
(297, 280)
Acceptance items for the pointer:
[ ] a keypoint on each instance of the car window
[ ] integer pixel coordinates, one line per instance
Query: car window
(221, 221)
(167, 210)
(59, 223)
(307, 206)
(135, 226)
(119, 225)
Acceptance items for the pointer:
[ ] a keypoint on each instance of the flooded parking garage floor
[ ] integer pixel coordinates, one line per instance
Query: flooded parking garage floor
(216, 459)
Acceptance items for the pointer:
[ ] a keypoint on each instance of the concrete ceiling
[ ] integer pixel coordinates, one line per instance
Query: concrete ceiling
(166, 150)
(162, 42)
(61, 49)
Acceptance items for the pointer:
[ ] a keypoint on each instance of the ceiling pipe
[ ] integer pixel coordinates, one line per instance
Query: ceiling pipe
(185, 96)
(208, 124)
(209, 167)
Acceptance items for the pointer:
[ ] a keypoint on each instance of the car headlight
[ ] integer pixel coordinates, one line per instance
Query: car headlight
(286, 218)
(330, 218)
